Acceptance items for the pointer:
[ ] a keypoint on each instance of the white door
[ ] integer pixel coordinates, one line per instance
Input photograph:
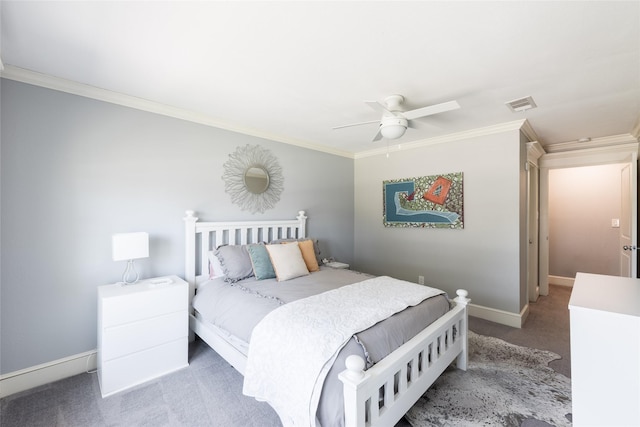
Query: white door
(627, 221)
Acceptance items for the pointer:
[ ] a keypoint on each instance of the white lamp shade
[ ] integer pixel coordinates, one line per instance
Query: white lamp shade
(126, 246)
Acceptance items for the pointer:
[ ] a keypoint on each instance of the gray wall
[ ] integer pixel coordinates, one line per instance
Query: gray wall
(75, 170)
(485, 256)
(582, 203)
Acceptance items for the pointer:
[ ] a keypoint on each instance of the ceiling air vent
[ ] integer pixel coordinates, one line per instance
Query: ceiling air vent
(521, 104)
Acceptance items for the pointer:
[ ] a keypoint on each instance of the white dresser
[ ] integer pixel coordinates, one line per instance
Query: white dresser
(142, 331)
(605, 350)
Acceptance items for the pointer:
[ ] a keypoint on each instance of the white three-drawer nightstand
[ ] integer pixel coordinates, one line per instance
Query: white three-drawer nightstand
(142, 331)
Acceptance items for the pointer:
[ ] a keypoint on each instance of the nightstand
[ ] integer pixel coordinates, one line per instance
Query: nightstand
(142, 331)
(336, 264)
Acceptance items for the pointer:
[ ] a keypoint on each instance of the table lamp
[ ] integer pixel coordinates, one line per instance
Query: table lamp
(130, 246)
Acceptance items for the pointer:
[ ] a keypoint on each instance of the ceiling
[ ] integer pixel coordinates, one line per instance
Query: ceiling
(291, 71)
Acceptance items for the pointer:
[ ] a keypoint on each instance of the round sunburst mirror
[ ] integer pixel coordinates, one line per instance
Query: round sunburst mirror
(253, 178)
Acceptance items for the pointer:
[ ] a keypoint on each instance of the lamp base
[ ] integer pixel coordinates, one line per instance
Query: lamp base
(130, 275)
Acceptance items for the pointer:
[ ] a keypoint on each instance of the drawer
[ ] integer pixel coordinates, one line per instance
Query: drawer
(138, 302)
(125, 339)
(128, 371)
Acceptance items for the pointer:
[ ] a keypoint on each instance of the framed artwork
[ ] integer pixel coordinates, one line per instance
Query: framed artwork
(434, 201)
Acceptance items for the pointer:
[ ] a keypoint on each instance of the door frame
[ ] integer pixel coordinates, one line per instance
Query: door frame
(534, 152)
(625, 151)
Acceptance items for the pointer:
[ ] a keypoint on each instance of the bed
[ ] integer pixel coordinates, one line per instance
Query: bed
(374, 389)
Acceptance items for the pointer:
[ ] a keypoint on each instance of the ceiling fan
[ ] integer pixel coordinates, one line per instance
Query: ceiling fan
(394, 121)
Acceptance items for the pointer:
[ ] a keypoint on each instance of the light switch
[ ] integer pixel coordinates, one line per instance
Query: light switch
(615, 223)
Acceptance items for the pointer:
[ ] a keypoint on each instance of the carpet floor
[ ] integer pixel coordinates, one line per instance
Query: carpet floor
(209, 391)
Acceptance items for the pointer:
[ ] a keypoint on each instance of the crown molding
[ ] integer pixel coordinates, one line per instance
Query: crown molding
(635, 131)
(473, 133)
(607, 141)
(528, 131)
(68, 86)
(534, 151)
(622, 152)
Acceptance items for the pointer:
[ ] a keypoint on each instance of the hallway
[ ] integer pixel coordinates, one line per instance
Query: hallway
(546, 328)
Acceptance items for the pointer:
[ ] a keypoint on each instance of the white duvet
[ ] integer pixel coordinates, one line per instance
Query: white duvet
(293, 347)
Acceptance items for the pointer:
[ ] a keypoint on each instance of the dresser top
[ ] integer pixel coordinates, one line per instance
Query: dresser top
(144, 285)
(611, 294)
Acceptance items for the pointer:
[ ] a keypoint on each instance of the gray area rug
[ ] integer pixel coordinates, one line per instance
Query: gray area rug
(504, 385)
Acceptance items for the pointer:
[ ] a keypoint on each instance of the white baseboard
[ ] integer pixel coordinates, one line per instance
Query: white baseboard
(45, 373)
(561, 281)
(499, 316)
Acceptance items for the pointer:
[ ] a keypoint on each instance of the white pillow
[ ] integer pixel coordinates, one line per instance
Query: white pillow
(215, 268)
(287, 261)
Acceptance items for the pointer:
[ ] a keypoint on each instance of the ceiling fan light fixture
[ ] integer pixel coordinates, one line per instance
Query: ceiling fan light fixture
(393, 128)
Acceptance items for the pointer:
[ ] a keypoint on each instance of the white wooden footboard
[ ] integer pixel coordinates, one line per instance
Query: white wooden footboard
(382, 395)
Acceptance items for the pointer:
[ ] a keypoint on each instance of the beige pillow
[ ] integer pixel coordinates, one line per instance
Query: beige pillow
(287, 261)
(309, 255)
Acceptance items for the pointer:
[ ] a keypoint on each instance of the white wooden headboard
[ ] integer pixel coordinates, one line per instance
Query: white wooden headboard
(202, 237)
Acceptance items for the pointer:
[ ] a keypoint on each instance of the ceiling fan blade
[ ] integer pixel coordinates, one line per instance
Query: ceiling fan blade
(431, 109)
(379, 107)
(357, 124)
(378, 136)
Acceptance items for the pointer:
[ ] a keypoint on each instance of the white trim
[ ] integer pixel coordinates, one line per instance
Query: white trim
(528, 131)
(602, 142)
(457, 136)
(56, 83)
(45, 373)
(534, 151)
(561, 281)
(625, 152)
(499, 316)
(635, 131)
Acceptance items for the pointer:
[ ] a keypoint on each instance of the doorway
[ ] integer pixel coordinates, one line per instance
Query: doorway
(585, 216)
(625, 156)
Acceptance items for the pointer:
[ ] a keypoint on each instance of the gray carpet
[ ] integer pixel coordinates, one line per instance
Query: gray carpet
(209, 391)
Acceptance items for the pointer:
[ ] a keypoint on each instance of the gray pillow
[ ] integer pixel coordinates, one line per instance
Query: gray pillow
(235, 262)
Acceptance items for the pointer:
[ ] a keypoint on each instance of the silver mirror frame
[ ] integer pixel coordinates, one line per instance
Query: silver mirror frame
(235, 168)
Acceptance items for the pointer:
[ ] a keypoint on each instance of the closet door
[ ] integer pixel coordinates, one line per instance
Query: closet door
(628, 251)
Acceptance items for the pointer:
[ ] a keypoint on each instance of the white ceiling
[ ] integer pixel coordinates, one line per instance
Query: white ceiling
(291, 71)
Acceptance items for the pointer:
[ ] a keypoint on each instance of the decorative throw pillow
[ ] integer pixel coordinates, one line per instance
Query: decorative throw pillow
(287, 261)
(215, 268)
(309, 255)
(262, 267)
(235, 261)
(316, 246)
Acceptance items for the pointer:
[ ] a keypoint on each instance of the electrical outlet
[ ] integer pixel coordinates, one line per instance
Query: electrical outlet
(420, 280)
(615, 223)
